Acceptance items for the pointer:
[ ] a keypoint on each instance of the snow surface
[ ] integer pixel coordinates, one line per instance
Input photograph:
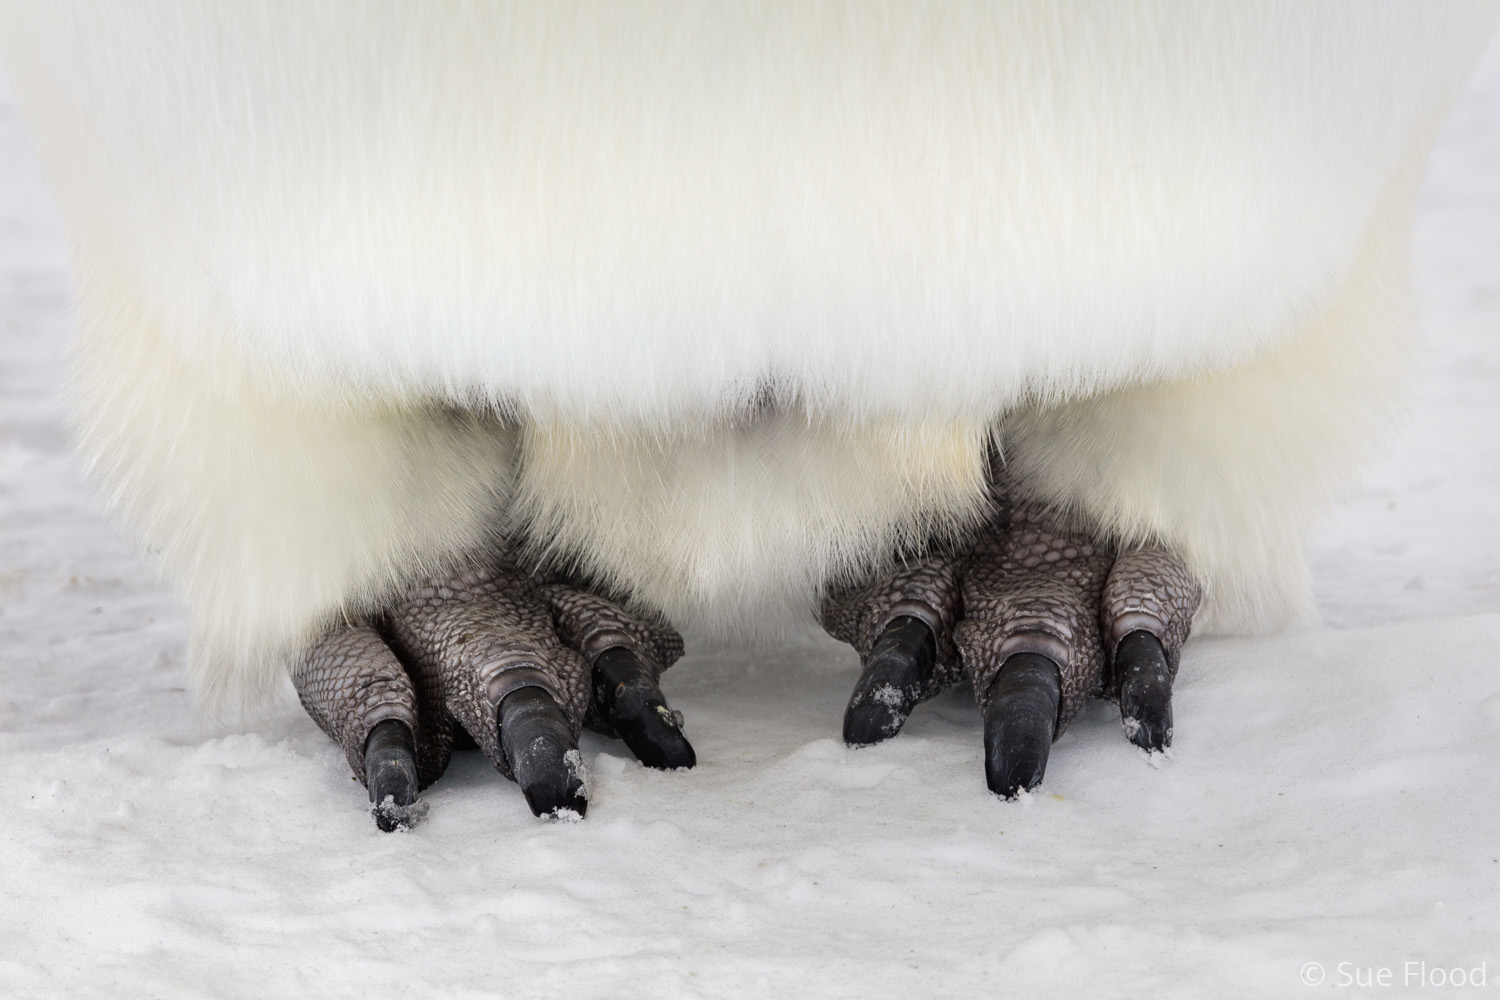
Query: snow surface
(1332, 796)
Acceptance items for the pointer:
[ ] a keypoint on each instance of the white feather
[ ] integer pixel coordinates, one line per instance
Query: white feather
(361, 287)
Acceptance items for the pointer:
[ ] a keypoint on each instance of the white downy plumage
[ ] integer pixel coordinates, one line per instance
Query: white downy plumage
(725, 301)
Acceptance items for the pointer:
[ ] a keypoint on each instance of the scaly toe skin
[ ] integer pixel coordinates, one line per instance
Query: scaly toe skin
(514, 661)
(389, 721)
(542, 754)
(628, 698)
(1146, 612)
(901, 624)
(484, 632)
(1020, 722)
(1031, 599)
(627, 650)
(391, 773)
(898, 671)
(1145, 681)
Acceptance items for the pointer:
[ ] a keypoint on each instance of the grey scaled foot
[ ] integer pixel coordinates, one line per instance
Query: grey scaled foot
(1039, 614)
(516, 662)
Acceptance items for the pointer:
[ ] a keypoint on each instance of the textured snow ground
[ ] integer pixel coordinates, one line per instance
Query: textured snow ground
(1332, 798)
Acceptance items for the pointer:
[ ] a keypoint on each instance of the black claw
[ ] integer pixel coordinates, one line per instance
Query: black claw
(894, 677)
(1020, 723)
(635, 708)
(1145, 691)
(543, 756)
(391, 775)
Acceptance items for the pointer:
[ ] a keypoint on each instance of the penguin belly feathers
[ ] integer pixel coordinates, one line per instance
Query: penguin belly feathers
(723, 303)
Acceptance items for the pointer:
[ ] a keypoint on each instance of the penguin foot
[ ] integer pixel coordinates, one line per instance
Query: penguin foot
(516, 663)
(1038, 614)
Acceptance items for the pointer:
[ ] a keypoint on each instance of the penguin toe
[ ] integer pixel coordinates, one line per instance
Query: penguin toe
(901, 624)
(388, 719)
(1145, 691)
(629, 701)
(1029, 639)
(1146, 612)
(1020, 721)
(895, 675)
(391, 776)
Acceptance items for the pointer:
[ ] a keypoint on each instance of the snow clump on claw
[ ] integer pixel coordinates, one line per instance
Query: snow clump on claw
(390, 816)
(579, 770)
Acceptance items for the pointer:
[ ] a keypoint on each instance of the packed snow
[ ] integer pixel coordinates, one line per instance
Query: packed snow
(1331, 807)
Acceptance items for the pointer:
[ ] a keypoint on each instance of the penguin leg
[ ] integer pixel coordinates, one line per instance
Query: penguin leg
(518, 663)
